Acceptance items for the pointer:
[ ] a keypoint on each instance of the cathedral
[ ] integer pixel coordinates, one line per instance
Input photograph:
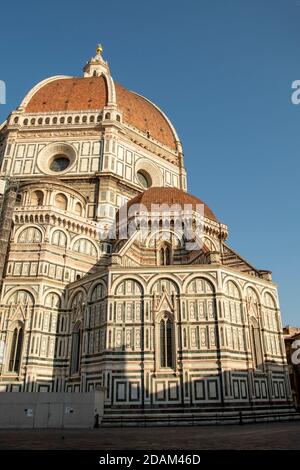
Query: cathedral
(97, 290)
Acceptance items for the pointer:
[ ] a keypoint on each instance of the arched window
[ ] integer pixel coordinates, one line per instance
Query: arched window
(164, 284)
(59, 238)
(165, 255)
(37, 198)
(161, 256)
(78, 208)
(222, 336)
(30, 235)
(16, 350)
(184, 338)
(77, 299)
(98, 292)
(256, 344)
(271, 318)
(76, 348)
(61, 201)
(232, 303)
(19, 199)
(166, 342)
(21, 297)
(53, 300)
(85, 246)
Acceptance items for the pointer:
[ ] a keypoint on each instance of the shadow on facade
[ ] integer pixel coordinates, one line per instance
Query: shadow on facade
(139, 383)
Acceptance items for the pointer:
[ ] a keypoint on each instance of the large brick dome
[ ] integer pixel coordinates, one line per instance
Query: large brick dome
(91, 93)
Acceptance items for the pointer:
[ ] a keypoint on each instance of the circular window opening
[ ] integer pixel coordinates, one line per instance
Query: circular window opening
(144, 179)
(59, 163)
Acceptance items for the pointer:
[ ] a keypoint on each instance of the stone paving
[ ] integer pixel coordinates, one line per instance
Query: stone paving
(251, 436)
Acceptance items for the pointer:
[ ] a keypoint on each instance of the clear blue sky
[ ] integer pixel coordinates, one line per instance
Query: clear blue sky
(222, 70)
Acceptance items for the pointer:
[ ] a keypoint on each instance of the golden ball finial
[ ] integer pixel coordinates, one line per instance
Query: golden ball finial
(99, 49)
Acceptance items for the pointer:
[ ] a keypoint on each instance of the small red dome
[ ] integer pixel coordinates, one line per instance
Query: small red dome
(170, 196)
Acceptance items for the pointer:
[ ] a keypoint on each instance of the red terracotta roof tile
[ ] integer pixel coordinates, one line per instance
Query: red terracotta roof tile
(141, 114)
(163, 195)
(69, 94)
(90, 93)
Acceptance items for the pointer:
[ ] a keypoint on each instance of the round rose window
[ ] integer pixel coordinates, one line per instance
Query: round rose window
(144, 179)
(59, 163)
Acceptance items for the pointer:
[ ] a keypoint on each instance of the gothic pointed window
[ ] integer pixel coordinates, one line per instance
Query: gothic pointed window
(164, 257)
(167, 255)
(76, 349)
(256, 344)
(16, 350)
(161, 257)
(169, 345)
(166, 342)
(162, 344)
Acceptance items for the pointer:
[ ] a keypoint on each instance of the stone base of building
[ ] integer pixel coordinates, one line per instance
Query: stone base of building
(195, 416)
(87, 410)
